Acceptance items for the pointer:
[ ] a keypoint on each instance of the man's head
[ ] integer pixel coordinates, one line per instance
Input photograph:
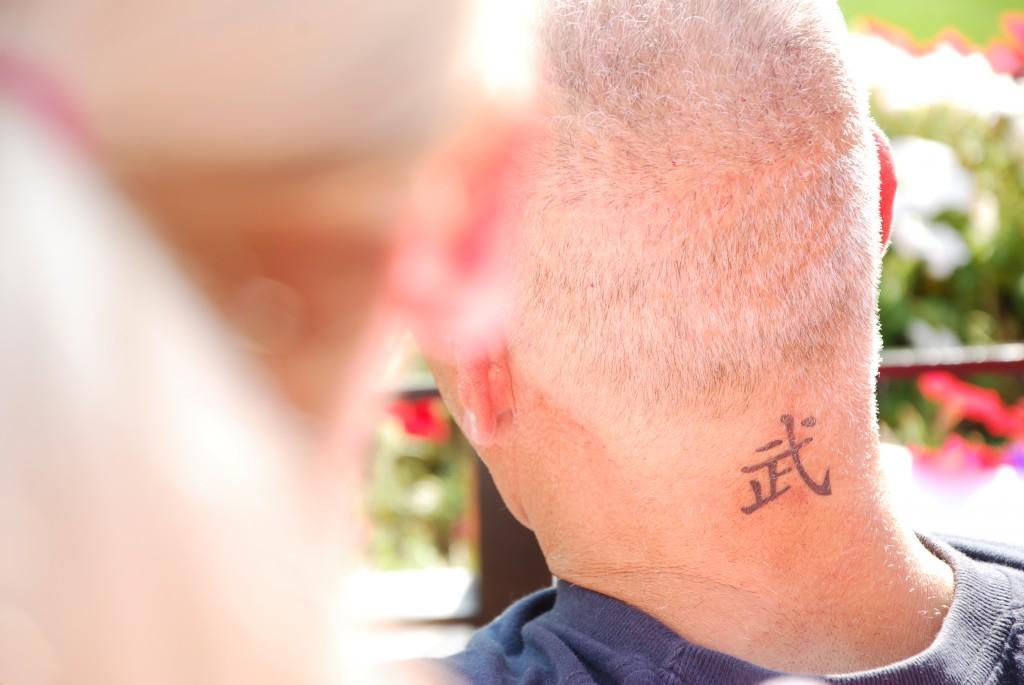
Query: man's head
(700, 232)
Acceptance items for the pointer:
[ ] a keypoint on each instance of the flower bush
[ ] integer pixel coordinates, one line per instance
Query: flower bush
(960, 402)
(419, 500)
(955, 272)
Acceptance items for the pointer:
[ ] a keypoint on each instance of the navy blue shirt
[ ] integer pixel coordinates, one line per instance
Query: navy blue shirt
(572, 636)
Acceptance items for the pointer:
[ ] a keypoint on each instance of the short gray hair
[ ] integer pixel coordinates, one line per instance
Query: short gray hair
(705, 219)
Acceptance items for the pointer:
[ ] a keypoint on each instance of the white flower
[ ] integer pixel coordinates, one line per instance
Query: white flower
(1017, 137)
(985, 219)
(907, 82)
(922, 334)
(937, 244)
(426, 495)
(931, 178)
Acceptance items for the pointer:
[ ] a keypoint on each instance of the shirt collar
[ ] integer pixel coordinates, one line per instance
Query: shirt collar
(967, 647)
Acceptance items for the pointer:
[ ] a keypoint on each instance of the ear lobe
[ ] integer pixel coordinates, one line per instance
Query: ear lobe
(887, 183)
(478, 418)
(485, 395)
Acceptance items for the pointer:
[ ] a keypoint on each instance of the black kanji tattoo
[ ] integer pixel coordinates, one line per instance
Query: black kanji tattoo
(792, 452)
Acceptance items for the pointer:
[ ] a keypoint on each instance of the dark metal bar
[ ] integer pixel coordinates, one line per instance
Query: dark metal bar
(1004, 359)
(420, 387)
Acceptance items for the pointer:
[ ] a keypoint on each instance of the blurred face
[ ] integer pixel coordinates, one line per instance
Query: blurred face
(298, 264)
(235, 84)
(273, 145)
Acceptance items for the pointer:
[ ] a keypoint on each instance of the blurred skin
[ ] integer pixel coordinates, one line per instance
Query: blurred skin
(227, 85)
(262, 145)
(321, 169)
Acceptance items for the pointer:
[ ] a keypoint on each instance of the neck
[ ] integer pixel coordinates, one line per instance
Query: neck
(773, 541)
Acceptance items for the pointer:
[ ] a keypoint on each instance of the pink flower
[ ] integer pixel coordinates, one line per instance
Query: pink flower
(1014, 456)
(958, 454)
(1006, 55)
(897, 36)
(1013, 27)
(1005, 58)
(957, 40)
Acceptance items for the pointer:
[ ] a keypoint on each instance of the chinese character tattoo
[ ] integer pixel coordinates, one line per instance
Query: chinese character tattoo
(775, 467)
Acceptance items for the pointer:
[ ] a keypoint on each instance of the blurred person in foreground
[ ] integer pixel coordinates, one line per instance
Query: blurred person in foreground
(682, 406)
(209, 220)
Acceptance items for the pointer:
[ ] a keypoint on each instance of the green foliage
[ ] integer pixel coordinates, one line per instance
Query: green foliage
(982, 302)
(419, 500)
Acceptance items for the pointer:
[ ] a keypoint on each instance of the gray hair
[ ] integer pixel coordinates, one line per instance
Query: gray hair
(705, 220)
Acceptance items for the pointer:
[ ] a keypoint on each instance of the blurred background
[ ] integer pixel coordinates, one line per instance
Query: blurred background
(945, 78)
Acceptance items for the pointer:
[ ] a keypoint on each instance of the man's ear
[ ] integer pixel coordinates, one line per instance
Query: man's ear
(484, 389)
(887, 182)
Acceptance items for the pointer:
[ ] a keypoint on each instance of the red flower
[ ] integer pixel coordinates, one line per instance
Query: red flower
(961, 400)
(422, 418)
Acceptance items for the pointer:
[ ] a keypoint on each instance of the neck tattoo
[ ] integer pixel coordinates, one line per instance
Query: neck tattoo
(783, 463)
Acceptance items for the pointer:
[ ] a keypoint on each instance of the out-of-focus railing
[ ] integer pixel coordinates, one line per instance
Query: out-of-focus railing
(1006, 359)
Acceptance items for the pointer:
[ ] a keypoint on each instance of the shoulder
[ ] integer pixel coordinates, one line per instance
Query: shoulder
(999, 558)
(568, 635)
(523, 646)
(1007, 627)
(1001, 553)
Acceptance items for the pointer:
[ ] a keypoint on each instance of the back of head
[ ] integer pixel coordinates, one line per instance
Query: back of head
(704, 223)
